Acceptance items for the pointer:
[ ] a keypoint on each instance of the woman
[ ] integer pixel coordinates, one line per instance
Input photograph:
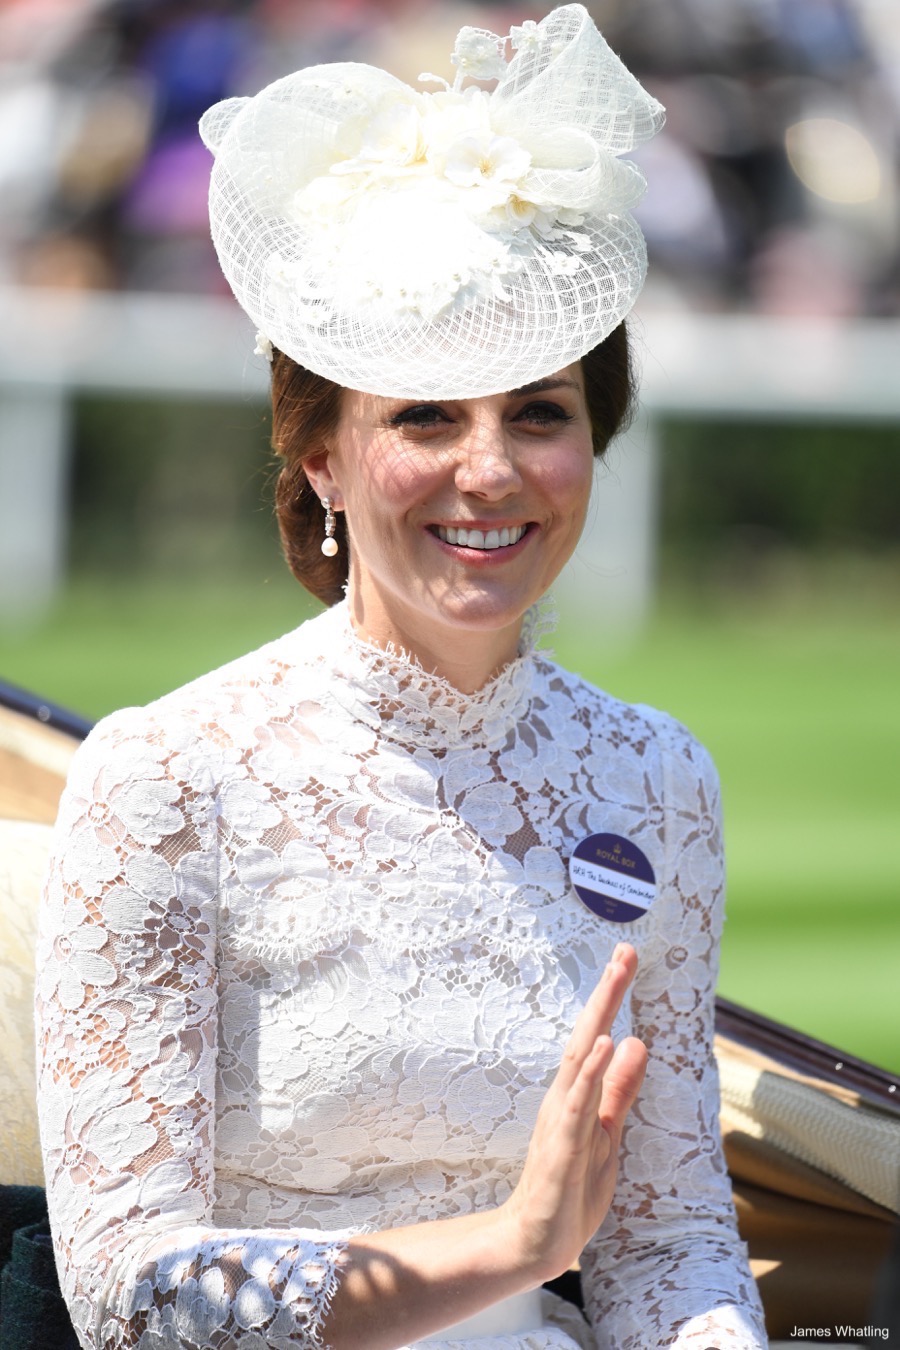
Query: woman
(336, 999)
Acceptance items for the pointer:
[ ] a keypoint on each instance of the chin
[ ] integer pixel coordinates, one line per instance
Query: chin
(481, 614)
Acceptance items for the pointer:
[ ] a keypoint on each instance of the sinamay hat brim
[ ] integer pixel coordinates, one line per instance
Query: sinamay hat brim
(447, 244)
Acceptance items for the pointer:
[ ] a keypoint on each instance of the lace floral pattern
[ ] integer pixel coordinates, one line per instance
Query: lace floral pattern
(309, 954)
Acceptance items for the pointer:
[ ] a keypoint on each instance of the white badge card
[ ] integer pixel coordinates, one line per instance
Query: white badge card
(613, 877)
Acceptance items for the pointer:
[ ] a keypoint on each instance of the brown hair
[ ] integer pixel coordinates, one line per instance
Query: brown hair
(306, 410)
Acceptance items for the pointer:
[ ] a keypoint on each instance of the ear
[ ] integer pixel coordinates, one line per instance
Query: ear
(319, 471)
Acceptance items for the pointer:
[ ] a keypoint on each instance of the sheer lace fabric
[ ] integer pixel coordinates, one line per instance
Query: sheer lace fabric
(309, 955)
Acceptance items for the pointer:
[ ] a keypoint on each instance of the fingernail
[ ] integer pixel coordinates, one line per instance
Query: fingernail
(618, 951)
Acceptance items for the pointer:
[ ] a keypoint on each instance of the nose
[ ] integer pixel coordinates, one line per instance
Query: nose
(487, 466)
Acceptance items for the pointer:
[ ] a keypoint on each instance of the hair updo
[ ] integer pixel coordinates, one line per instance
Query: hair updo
(306, 410)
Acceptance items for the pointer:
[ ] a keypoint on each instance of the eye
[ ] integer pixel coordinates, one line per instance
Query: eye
(544, 414)
(421, 416)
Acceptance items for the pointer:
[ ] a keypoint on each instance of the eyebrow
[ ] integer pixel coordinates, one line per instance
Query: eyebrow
(544, 387)
(536, 387)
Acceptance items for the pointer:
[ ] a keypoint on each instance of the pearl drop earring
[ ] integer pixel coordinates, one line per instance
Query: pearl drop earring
(329, 543)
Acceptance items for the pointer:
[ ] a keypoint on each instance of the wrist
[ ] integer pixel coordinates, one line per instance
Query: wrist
(425, 1278)
(528, 1257)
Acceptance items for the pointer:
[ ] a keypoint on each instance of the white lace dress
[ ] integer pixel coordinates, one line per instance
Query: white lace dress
(309, 955)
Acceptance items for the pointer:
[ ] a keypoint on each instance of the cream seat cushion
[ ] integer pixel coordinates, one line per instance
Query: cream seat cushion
(831, 1130)
(24, 846)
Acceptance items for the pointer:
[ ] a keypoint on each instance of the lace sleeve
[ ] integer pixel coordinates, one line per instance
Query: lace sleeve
(667, 1267)
(127, 1024)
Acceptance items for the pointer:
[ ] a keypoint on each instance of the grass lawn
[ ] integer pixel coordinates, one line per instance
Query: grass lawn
(798, 701)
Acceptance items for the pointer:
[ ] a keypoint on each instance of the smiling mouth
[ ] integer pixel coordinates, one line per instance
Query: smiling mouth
(480, 539)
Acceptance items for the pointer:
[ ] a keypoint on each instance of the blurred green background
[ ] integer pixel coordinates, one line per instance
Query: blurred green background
(776, 638)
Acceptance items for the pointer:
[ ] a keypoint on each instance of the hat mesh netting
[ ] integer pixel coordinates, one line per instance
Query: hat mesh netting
(439, 244)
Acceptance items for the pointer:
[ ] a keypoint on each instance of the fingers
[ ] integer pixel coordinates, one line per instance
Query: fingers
(606, 997)
(622, 1081)
(584, 1097)
(603, 1093)
(599, 1012)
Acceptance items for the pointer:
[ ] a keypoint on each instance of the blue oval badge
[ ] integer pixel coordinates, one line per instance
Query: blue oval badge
(612, 877)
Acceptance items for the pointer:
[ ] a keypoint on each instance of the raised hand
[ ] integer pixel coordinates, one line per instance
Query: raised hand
(569, 1176)
(403, 1284)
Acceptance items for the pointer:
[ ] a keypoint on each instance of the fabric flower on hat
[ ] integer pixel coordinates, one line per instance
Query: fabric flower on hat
(478, 54)
(527, 35)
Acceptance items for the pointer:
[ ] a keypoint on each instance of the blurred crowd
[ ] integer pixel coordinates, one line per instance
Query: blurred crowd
(773, 188)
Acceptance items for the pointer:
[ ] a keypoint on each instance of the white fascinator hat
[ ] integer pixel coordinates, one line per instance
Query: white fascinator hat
(441, 243)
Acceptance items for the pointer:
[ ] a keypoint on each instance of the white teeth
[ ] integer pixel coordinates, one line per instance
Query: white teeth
(478, 538)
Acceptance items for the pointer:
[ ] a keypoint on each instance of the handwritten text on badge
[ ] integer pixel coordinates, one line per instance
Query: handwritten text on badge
(612, 877)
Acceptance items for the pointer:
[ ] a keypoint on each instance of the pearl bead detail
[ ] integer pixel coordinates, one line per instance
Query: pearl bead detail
(329, 543)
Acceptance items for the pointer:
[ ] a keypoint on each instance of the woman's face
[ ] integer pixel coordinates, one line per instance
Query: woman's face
(461, 513)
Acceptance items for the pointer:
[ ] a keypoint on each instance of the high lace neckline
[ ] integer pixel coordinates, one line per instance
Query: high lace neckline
(391, 691)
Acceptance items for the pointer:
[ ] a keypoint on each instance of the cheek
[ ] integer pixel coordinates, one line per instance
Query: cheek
(390, 484)
(566, 478)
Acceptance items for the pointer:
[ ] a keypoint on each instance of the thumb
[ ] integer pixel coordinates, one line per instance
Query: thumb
(621, 1084)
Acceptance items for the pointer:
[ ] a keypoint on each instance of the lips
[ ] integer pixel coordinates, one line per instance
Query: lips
(485, 540)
